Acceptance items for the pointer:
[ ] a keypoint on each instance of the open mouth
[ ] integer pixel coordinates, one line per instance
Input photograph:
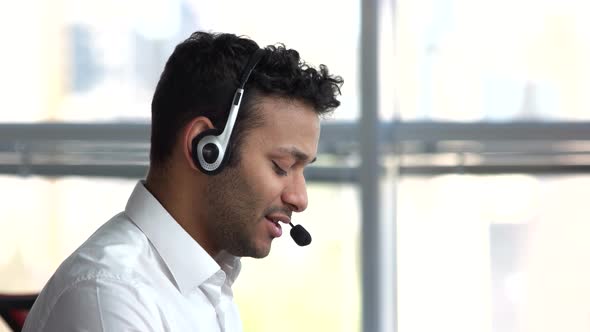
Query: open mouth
(275, 227)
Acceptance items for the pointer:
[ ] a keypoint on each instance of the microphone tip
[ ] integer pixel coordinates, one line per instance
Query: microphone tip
(300, 235)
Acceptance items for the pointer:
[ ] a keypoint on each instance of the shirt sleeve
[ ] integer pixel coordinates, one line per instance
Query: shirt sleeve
(103, 305)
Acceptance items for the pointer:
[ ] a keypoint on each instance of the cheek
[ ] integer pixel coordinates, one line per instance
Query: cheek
(265, 185)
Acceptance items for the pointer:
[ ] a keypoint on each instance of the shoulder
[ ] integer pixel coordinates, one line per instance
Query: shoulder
(95, 303)
(105, 281)
(115, 250)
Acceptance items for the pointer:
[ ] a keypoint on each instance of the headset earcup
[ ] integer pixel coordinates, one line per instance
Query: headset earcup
(194, 150)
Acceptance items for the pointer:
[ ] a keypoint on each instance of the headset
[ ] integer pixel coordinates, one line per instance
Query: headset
(211, 148)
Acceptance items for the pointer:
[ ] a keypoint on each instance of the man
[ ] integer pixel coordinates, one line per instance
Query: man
(233, 127)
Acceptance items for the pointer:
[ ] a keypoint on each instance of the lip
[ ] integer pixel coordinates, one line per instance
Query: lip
(273, 227)
(277, 218)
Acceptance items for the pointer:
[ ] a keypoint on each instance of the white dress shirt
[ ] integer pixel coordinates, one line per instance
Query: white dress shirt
(139, 272)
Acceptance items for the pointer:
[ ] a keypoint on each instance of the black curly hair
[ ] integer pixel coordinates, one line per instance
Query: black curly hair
(202, 74)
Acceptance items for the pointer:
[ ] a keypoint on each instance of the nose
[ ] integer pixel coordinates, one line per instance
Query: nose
(295, 195)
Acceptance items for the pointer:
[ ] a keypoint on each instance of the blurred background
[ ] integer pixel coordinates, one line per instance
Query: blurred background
(450, 188)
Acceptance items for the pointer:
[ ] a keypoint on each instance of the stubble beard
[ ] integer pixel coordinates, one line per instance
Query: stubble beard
(233, 214)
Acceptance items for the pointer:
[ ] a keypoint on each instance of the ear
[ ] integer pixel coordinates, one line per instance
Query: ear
(190, 131)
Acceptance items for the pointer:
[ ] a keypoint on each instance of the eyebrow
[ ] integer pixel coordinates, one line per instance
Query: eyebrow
(297, 154)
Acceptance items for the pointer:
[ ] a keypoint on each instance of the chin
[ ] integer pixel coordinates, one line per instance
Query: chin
(254, 250)
(260, 251)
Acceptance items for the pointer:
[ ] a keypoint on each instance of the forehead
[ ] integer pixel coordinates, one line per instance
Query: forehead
(287, 124)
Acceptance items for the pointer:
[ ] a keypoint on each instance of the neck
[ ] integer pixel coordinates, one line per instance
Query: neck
(179, 195)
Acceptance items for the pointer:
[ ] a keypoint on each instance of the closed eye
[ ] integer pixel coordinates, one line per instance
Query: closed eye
(278, 169)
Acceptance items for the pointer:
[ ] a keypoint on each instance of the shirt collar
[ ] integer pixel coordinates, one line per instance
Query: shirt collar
(188, 262)
(230, 264)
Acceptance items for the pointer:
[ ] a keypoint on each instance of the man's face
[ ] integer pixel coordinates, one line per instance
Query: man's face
(247, 202)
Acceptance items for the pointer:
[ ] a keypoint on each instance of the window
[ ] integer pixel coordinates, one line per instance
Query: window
(90, 62)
